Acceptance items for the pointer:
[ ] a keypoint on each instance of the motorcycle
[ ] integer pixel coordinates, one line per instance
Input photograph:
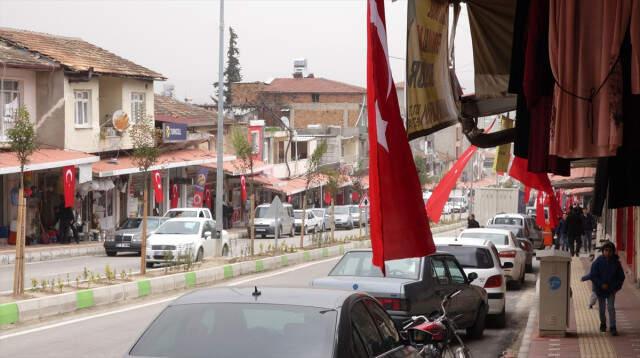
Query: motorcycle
(436, 337)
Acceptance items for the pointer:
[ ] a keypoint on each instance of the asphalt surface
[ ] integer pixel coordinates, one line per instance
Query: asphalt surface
(72, 267)
(110, 332)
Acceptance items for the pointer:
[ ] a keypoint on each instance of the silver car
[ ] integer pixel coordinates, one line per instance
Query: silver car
(414, 286)
(127, 236)
(343, 217)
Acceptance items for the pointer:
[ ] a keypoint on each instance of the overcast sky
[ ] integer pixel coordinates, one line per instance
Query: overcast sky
(179, 38)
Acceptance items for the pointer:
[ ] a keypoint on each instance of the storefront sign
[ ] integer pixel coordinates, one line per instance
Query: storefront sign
(430, 102)
(182, 181)
(174, 132)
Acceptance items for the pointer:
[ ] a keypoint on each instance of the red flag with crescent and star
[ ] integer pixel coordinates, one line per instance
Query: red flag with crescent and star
(399, 224)
(207, 197)
(69, 177)
(174, 195)
(243, 187)
(157, 186)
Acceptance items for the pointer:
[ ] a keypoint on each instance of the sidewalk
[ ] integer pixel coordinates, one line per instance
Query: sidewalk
(35, 253)
(584, 338)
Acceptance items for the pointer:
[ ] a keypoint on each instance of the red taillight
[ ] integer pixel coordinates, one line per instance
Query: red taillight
(493, 282)
(508, 254)
(394, 304)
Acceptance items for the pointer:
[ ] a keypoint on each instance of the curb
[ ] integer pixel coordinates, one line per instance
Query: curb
(71, 251)
(528, 331)
(44, 307)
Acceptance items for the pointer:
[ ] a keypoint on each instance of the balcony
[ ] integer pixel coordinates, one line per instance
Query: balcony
(297, 167)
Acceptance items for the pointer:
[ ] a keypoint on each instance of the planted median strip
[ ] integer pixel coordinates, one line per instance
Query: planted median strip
(190, 279)
(84, 299)
(144, 288)
(9, 313)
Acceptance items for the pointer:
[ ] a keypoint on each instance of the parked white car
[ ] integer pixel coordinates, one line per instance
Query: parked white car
(508, 249)
(342, 216)
(189, 213)
(312, 223)
(482, 257)
(185, 236)
(323, 214)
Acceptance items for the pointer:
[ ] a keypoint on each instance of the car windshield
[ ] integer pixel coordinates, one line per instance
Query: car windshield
(261, 211)
(341, 210)
(181, 214)
(469, 257)
(132, 223)
(355, 210)
(508, 221)
(514, 229)
(497, 239)
(223, 330)
(318, 213)
(297, 214)
(358, 263)
(179, 227)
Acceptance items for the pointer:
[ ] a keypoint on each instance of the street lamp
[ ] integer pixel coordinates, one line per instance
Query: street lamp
(220, 132)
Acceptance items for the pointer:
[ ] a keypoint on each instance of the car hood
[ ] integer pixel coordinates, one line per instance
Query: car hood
(299, 221)
(264, 221)
(128, 232)
(375, 286)
(341, 217)
(171, 239)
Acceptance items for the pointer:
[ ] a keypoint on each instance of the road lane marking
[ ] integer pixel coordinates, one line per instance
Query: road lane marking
(164, 300)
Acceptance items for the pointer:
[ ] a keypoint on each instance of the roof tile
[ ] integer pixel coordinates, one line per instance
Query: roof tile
(311, 85)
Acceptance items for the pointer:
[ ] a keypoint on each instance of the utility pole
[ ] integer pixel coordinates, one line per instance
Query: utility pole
(219, 133)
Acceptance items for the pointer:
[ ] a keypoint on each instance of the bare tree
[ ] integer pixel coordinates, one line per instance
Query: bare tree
(334, 181)
(23, 143)
(145, 155)
(311, 176)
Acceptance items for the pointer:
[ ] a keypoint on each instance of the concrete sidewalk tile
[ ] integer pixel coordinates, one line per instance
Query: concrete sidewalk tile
(101, 295)
(325, 252)
(144, 288)
(190, 279)
(84, 299)
(9, 313)
(28, 310)
(307, 256)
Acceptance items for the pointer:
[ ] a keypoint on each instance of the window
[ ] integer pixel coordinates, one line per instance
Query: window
(439, 272)
(358, 263)
(265, 150)
(301, 150)
(255, 142)
(469, 257)
(497, 239)
(281, 152)
(9, 104)
(315, 97)
(138, 107)
(82, 108)
(457, 276)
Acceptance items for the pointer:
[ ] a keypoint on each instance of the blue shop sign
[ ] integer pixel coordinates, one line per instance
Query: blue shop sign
(174, 132)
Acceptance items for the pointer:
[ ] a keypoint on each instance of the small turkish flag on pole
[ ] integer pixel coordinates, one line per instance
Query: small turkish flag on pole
(157, 186)
(69, 177)
(399, 224)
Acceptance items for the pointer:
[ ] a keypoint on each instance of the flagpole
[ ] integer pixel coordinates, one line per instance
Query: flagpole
(220, 131)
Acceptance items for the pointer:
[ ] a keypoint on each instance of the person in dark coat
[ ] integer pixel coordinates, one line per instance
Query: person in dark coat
(562, 241)
(575, 231)
(588, 224)
(607, 277)
(471, 222)
(67, 220)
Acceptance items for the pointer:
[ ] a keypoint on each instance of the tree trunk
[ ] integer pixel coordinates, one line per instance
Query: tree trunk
(360, 223)
(252, 217)
(18, 273)
(333, 221)
(304, 214)
(143, 238)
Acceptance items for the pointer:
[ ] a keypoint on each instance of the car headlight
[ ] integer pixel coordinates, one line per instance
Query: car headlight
(136, 238)
(110, 238)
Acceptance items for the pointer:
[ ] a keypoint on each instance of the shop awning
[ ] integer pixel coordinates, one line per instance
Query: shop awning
(579, 178)
(173, 159)
(45, 159)
(295, 185)
(234, 167)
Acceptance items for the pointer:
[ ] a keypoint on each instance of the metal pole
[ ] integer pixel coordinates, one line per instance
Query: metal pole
(219, 133)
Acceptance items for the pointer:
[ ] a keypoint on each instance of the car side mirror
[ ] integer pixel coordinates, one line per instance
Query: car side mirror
(472, 276)
(507, 265)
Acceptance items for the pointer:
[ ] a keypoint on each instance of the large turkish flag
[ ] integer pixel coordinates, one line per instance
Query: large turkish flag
(69, 180)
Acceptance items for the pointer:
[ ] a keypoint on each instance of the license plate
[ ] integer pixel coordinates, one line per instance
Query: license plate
(123, 244)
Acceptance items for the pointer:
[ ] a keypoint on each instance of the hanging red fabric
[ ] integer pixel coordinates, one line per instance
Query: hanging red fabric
(174, 195)
(243, 188)
(69, 177)
(157, 186)
(399, 224)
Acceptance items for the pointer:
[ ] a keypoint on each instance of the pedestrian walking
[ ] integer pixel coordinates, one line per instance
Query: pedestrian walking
(561, 234)
(607, 277)
(588, 224)
(472, 223)
(575, 231)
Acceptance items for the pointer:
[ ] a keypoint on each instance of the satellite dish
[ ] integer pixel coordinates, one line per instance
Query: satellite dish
(120, 120)
(285, 121)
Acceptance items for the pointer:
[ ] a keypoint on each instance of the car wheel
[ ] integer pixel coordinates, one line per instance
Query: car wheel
(225, 251)
(111, 253)
(200, 255)
(477, 330)
(501, 318)
(149, 264)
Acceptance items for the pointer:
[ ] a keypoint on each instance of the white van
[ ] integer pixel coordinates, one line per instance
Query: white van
(266, 225)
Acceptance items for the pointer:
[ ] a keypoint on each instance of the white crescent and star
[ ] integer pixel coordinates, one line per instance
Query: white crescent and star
(381, 129)
(158, 180)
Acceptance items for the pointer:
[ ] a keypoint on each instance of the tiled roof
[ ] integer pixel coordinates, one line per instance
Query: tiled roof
(168, 109)
(234, 167)
(76, 54)
(172, 159)
(311, 85)
(14, 57)
(44, 159)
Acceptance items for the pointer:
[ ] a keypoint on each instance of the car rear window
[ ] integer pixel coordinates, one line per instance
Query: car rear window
(469, 257)
(358, 263)
(223, 330)
(508, 221)
(497, 239)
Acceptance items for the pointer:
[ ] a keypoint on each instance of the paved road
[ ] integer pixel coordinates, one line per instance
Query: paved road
(74, 266)
(109, 333)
